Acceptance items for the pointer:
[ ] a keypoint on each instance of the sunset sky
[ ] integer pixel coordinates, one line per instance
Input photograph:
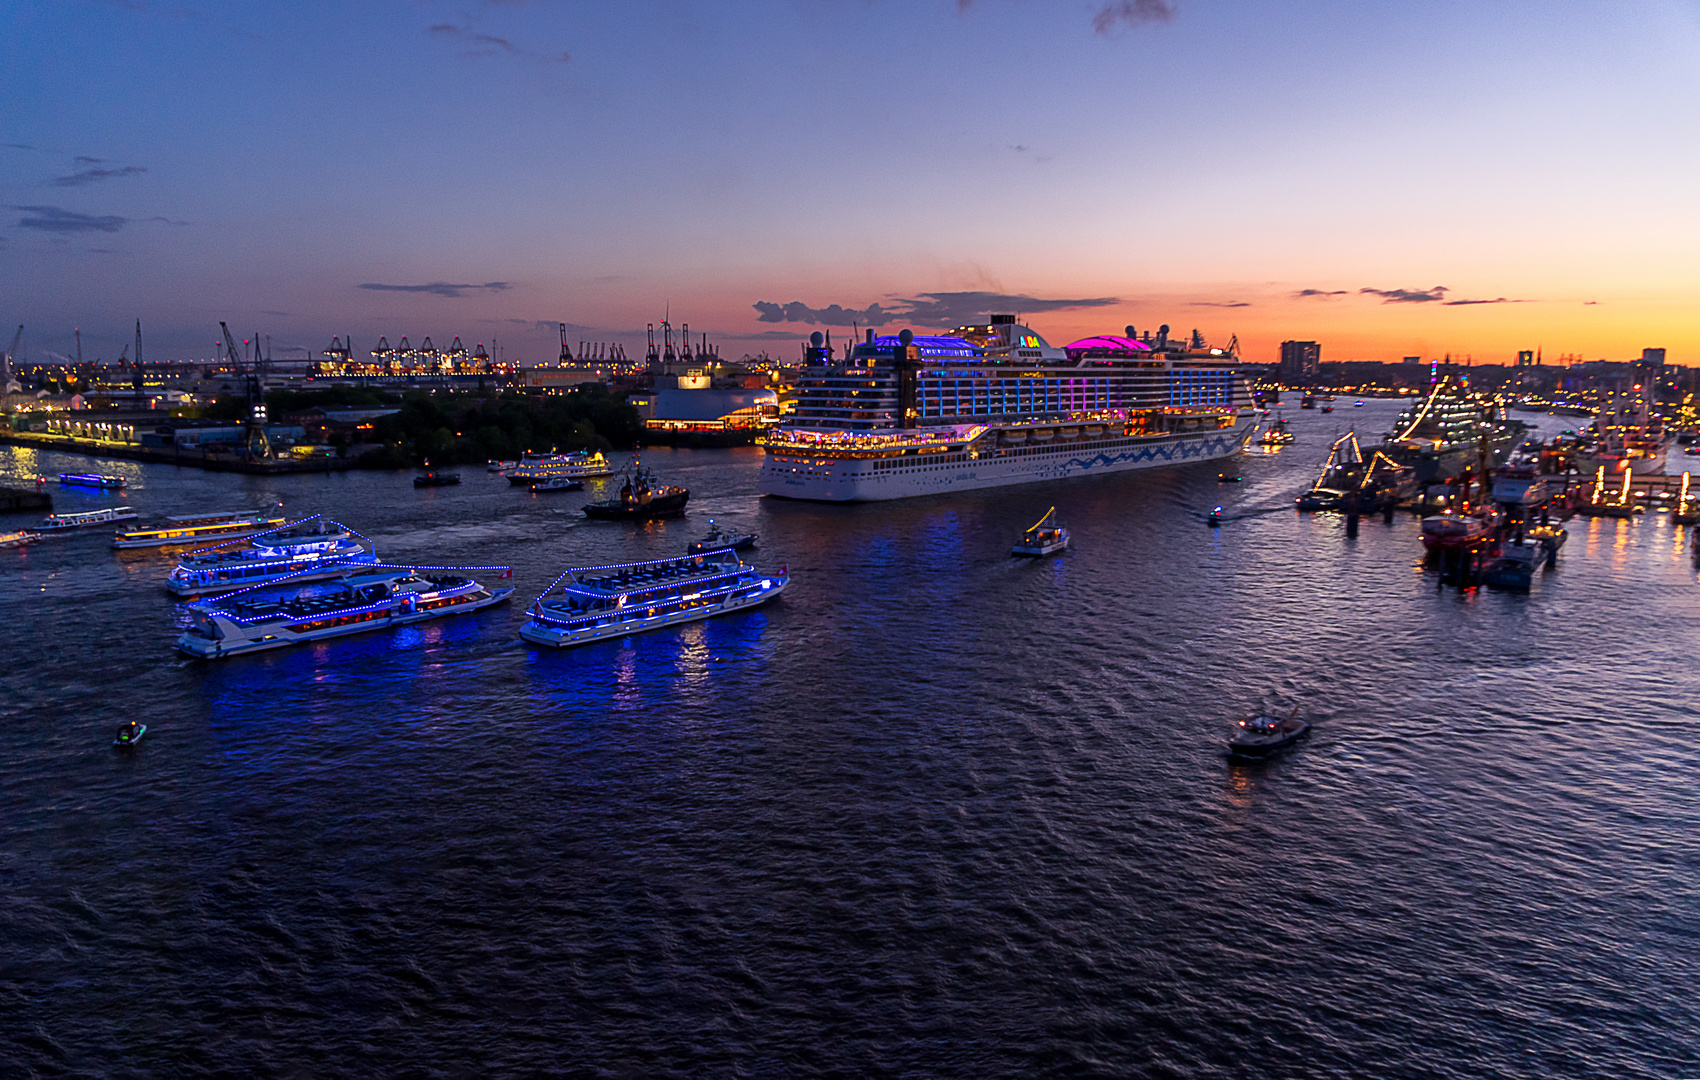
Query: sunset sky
(1388, 179)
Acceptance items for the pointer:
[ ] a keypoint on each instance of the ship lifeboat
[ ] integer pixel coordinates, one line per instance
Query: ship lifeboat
(1068, 433)
(1092, 431)
(1041, 435)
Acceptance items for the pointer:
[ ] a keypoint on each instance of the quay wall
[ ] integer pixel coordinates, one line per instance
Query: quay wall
(196, 459)
(13, 500)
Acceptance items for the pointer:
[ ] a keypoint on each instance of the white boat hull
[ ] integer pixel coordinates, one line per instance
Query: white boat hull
(832, 479)
(562, 637)
(209, 649)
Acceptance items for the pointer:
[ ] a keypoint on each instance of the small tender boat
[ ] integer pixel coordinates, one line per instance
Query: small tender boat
(1228, 478)
(1041, 539)
(641, 498)
(1277, 435)
(99, 480)
(433, 478)
(1215, 517)
(590, 603)
(1262, 736)
(718, 539)
(129, 734)
(558, 483)
(1328, 408)
(18, 539)
(54, 524)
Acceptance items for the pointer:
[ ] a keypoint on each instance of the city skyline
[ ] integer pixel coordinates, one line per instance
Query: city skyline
(1388, 182)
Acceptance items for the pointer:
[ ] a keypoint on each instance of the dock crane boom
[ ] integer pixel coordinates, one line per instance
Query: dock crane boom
(8, 383)
(257, 444)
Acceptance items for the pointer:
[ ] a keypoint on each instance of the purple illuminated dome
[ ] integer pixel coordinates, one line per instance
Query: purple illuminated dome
(1108, 343)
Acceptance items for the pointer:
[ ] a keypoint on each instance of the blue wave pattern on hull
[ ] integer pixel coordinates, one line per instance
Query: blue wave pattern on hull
(1216, 447)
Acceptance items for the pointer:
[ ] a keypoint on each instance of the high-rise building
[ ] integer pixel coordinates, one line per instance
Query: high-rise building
(1656, 357)
(1299, 362)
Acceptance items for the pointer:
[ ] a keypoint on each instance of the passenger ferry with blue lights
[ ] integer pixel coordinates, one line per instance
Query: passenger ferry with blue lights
(383, 596)
(300, 554)
(590, 603)
(987, 406)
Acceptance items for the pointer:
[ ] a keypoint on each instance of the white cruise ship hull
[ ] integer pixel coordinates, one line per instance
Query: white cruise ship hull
(796, 475)
(561, 637)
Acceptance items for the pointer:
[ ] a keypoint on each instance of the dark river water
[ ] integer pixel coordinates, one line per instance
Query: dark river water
(936, 812)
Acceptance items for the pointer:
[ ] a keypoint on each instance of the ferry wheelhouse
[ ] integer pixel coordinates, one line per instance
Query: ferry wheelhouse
(590, 603)
(384, 596)
(199, 528)
(578, 465)
(300, 554)
(987, 406)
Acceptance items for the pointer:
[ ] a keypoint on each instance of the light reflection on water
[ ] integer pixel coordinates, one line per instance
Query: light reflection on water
(935, 812)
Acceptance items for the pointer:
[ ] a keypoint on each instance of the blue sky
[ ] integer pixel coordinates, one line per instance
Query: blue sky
(596, 164)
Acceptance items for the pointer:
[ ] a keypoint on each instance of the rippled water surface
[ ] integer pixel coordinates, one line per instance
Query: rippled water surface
(935, 812)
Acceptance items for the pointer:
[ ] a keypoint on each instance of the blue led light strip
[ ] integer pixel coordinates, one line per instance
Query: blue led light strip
(250, 536)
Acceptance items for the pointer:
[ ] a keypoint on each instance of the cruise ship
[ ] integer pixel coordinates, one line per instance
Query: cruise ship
(300, 555)
(379, 597)
(992, 405)
(589, 603)
(579, 465)
(1445, 431)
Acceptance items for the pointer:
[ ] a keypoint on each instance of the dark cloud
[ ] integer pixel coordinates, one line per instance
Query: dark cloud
(1131, 13)
(1220, 303)
(1409, 296)
(832, 315)
(490, 45)
(55, 219)
(1436, 295)
(926, 309)
(1323, 292)
(956, 308)
(436, 288)
(94, 176)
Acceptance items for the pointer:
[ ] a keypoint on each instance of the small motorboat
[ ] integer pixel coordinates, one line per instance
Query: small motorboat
(1228, 478)
(718, 539)
(1328, 408)
(1262, 736)
(558, 483)
(1358, 404)
(129, 733)
(1041, 539)
(497, 466)
(98, 480)
(1509, 572)
(18, 539)
(433, 478)
(1215, 517)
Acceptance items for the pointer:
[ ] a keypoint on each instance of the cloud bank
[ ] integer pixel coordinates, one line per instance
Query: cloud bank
(925, 309)
(437, 288)
(1130, 13)
(1436, 295)
(57, 220)
(490, 45)
(95, 175)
